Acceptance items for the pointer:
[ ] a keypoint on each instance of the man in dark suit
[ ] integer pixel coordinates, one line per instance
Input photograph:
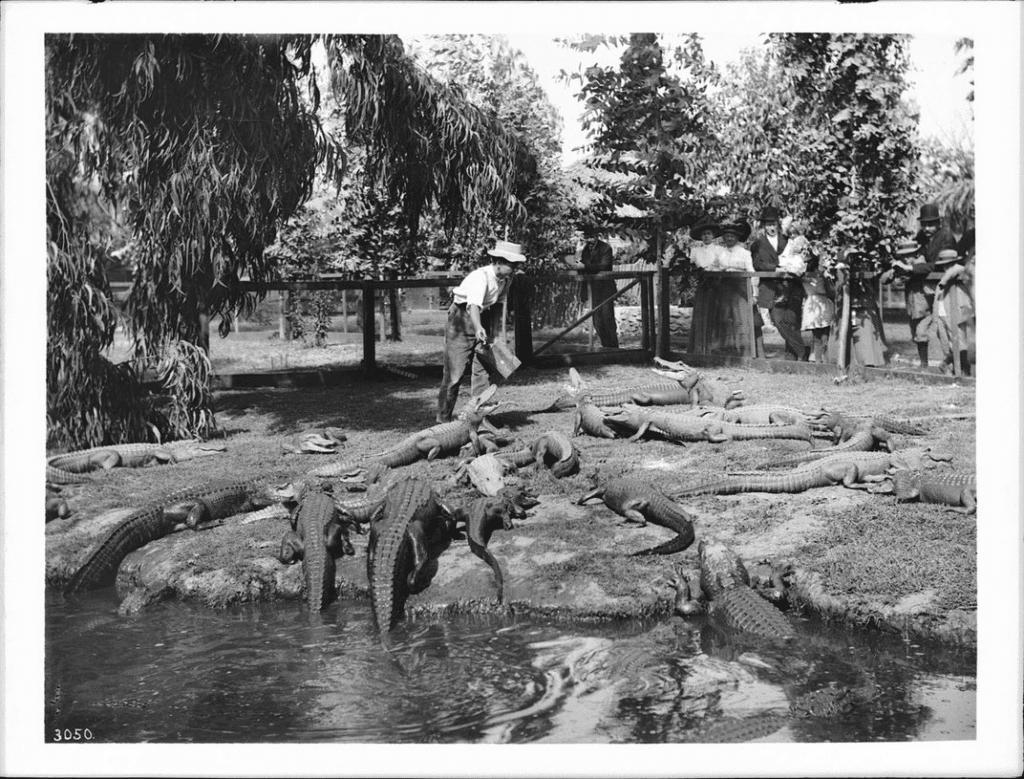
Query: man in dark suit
(782, 297)
(597, 258)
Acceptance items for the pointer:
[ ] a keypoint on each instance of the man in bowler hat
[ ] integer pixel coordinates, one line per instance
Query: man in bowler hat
(782, 297)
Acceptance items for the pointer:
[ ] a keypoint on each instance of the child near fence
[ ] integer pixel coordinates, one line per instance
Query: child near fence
(819, 309)
(953, 300)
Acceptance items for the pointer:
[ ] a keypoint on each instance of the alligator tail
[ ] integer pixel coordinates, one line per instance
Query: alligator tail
(135, 531)
(484, 554)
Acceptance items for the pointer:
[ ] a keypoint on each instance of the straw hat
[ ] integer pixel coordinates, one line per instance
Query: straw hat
(512, 252)
(908, 249)
(947, 257)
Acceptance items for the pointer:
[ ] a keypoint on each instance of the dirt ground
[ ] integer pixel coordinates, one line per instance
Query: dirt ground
(861, 558)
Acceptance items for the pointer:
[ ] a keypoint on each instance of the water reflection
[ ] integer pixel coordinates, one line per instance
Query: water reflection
(271, 673)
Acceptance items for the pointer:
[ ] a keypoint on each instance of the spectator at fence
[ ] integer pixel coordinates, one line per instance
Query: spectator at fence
(953, 298)
(866, 337)
(469, 327)
(597, 257)
(931, 239)
(819, 310)
(782, 297)
(720, 305)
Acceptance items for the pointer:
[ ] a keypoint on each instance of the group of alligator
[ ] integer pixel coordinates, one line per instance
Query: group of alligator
(409, 524)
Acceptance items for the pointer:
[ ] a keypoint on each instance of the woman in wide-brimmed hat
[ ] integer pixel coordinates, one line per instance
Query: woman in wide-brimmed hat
(720, 303)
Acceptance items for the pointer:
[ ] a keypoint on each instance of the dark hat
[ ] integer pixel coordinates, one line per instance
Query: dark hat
(907, 249)
(705, 224)
(947, 257)
(929, 213)
(770, 214)
(739, 228)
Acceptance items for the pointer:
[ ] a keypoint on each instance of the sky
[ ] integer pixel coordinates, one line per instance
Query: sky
(939, 93)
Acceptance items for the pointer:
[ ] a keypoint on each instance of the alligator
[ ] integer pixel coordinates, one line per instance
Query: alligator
(865, 439)
(687, 603)
(161, 517)
(687, 427)
(56, 507)
(956, 489)
(661, 393)
(642, 502)
(446, 437)
(56, 476)
(325, 441)
(132, 455)
(589, 419)
(556, 451)
(734, 730)
(726, 585)
(851, 469)
(700, 389)
(482, 518)
(754, 415)
(317, 538)
(487, 472)
(398, 552)
(844, 425)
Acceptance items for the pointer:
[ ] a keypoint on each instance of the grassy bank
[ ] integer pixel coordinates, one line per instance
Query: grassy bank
(905, 566)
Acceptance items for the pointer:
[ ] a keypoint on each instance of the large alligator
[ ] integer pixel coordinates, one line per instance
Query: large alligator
(130, 456)
(851, 469)
(447, 437)
(396, 564)
(210, 501)
(725, 584)
(694, 379)
(687, 427)
(316, 540)
(956, 489)
(656, 394)
(556, 451)
(642, 502)
(754, 415)
(833, 420)
(866, 438)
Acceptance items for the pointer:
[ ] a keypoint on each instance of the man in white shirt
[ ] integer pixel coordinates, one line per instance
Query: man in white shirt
(469, 324)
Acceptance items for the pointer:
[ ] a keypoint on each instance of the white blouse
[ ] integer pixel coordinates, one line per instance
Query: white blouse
(705, 256)
(737, 258)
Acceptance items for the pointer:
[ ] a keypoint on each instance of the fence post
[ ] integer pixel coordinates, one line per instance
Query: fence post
(369, 328)
(952, 304)
(523, 325)
(664, 315)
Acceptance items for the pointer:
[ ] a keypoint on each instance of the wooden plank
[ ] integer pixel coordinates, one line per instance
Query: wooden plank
(844, 327)
(586, 316)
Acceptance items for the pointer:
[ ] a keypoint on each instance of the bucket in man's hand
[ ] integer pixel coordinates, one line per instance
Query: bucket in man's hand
(500, 358)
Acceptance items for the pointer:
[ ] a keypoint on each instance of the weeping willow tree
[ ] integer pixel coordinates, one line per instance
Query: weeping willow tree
(202, 146)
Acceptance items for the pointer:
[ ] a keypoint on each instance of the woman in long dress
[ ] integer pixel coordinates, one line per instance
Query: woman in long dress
(704, 255)
(731, 318)
(867, 345)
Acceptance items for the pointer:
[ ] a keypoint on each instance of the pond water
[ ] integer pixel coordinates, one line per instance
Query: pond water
(272, 673)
